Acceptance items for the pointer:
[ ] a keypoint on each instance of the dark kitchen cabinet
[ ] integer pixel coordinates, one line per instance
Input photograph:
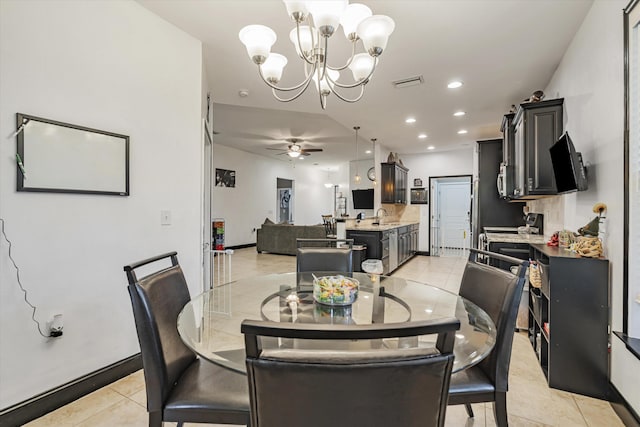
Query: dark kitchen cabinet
(377, 243)
(407, 242)
(569, 320)
(507, 167)
(394, 183)
(508, 143)
(537, 126)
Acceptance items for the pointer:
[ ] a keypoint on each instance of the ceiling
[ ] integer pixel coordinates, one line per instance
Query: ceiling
(502, 50)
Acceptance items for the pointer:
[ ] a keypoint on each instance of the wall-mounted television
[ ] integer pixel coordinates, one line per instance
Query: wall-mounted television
(568, 169)
(363, 199)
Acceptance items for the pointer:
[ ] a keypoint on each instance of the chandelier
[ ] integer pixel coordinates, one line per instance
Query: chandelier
(311, 40)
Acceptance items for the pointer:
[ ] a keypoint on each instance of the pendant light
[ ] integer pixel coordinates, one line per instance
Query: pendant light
(375, 179)
(357, 177)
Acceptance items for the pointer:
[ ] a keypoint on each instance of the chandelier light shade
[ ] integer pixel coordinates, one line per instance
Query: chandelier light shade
(273, 67)
(375, 32)
(316, 22)
(258, 39)
(352, 16)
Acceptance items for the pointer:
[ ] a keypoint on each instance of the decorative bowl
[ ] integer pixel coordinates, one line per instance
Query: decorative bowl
(335, 290)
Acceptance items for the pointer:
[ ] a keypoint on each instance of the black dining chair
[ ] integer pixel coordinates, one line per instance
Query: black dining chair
(290, 387)
(329, 223)
(324, 255)
(497, 292)
(180, 386)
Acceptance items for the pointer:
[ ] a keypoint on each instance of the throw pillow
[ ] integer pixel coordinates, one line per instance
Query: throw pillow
(267, 221)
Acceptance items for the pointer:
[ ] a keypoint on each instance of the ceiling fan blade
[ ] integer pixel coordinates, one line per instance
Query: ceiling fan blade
(276, 149)
(311, 150)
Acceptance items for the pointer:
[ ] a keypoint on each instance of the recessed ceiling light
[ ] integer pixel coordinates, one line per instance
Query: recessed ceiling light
(462, 131)
(431, 147)
(459, 113)
(368, 152)
(422, 136)
(410, 120)
(454, 84)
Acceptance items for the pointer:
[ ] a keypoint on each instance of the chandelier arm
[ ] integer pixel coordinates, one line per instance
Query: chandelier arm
(275, 95)
(302, 55)
(353, 54)
(335, 92)
(304, 83)
(324, 62)
(359, 82)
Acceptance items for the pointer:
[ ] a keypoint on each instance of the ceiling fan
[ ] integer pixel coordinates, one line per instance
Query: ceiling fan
(295, 150)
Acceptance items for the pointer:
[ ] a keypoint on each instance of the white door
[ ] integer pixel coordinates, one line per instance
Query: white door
(451, 215)
(207, 203)
(454, 215)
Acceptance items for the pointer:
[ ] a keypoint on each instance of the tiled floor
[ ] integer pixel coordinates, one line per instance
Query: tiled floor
(530, 402)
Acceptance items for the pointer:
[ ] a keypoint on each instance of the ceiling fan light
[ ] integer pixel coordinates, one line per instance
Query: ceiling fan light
(326, 14)
(374, 32)
(273, 67)
(258, 40)
(361, 66)
(306, 41)
(352, 16)
(294, 154)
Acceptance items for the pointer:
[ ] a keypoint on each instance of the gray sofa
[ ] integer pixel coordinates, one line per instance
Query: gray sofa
(281, 238)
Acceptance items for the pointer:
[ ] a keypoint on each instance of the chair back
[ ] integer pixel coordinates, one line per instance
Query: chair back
(329, 225)
(157, 299)
(324, 255)
(497, 292)
(374, 388)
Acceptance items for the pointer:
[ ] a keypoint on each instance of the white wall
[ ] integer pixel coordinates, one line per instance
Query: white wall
(590, 78)
(445, 163)
(112, 66)
(423, 166)
(245, 206)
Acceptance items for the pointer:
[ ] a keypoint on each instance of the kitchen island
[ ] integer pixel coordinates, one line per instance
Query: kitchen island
(394, 243)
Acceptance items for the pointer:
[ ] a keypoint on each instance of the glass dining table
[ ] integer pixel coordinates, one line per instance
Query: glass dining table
(210, 323)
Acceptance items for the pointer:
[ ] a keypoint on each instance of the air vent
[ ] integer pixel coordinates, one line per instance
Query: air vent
(411, 81)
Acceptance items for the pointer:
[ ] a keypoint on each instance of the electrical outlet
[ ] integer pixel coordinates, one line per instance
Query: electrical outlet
(56, 325)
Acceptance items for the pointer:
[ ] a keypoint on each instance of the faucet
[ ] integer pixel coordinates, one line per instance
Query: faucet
(378, 216)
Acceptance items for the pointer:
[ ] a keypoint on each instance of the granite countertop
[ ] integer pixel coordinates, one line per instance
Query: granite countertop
(515, 238)
(380, 227)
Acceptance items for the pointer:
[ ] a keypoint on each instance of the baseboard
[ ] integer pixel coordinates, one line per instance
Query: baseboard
(55, 398)
(423, 253)
(622, 408)
(248, 245)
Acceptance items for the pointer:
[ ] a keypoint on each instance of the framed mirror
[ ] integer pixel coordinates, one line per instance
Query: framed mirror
(64, 158)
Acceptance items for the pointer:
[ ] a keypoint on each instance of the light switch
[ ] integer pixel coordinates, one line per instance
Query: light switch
(165, 217)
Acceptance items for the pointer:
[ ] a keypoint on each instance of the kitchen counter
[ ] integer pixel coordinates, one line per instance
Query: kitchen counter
(515, 238)
(380, 227)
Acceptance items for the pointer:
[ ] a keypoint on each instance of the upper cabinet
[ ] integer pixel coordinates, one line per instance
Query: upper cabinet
(536, 127)
(394, 183)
